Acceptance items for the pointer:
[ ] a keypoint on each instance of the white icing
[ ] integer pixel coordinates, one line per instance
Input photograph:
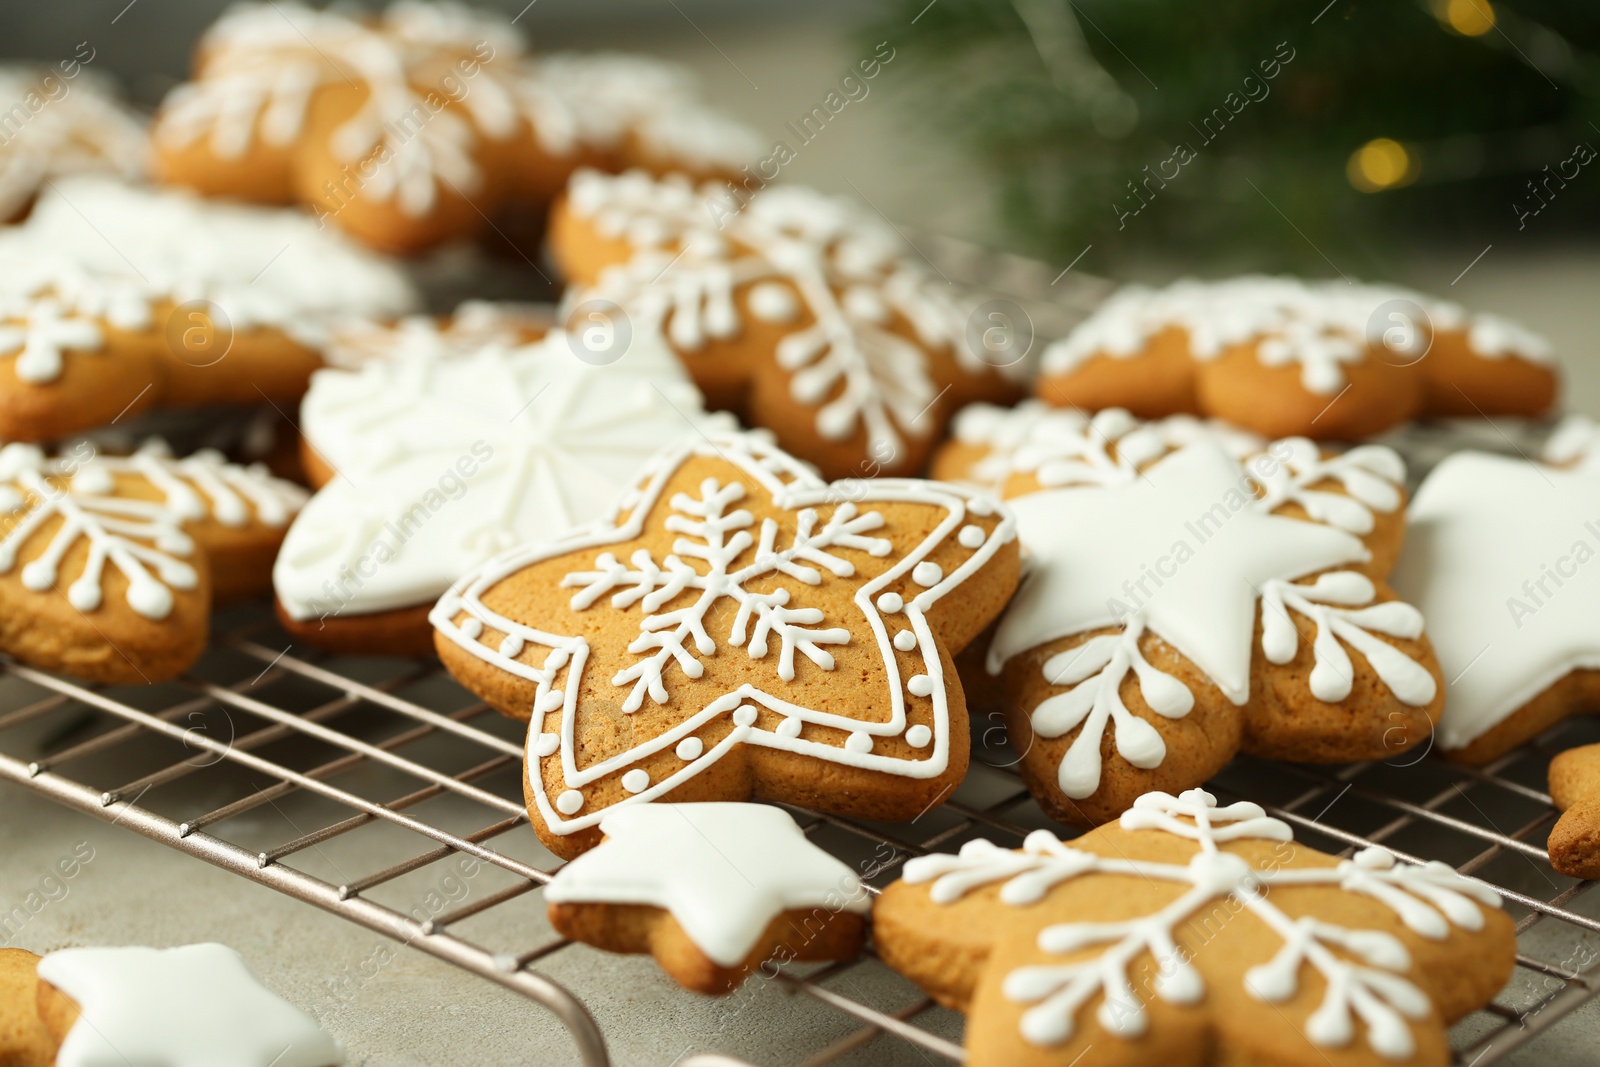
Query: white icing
(1321, 326)
(446, 458)
(1196, 546)
(78, 126)
(771, 626)
(1364, 971)
(1500, 558)
(1576, 444)
(93, 249)
(196, 1006)
(694, 248)
(724, 871)
(143, 540)
(474, 325)
(264, 63)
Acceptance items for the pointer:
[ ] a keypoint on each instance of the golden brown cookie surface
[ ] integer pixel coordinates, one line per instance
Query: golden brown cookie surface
(804, 313)
(1195, 934)
(1330, 360)
(743, 629)
(1575, 789)
(25, 1041)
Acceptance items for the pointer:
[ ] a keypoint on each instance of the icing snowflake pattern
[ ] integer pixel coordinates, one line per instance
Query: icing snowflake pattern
(1066, 451)
(1364, 970)
(719, 553)
(815, 264)
(144, 540)
(707, 524)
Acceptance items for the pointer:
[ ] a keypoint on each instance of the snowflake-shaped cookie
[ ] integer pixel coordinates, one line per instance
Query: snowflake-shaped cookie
(1191, 925)
(416, 125)
(804, 311)
(122, 555)
(739, 627)
(1130, 657)
(1326, 359)
(447, 452)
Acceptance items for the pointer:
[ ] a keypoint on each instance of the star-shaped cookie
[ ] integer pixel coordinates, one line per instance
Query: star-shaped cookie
(711, 890)
(1501, 560)
(1191, 933)
(195, 1006)
(1180, 605)
(438, 457)
(738, 628)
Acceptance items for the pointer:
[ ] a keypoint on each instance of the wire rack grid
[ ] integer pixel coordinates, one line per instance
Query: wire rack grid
(395, 747)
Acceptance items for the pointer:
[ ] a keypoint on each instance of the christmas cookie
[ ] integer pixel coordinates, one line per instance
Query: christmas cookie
(738, 628)
(63, 120)
(1192, 933)
(178, 1007)
(1284, 357)
(443, 454)
(109, 565)
(24, 1041)
(1501, 560)
(712, 891)
(804, 313)
(1575, 789)
(1182, 605)
(418, 125)
(474, 325)
(116, 301)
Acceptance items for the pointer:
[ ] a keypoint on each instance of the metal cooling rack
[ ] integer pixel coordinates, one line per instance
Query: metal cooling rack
(396, 746)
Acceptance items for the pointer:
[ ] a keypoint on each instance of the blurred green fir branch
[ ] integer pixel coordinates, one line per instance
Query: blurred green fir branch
(1264, 134)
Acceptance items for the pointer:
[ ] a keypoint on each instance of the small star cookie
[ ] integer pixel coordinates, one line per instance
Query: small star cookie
(712, 891)
(1188, 933)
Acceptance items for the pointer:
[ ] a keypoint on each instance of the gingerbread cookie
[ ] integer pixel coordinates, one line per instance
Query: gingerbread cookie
(802, 312)
(1285, 357)
(448, 451)
(712, 891)
(1192, 933)
(1500, 562)
(1575, 789)
(24, 1040)
(738, 628)
(1181, 606)
(109, 565)
(196, 1006)
(418, 125)
(116, 301)
(63, 120)
(473, 325)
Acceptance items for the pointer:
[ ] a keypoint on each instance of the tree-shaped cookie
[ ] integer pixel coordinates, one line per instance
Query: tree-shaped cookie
(1191, 934)
(1331, 360)
(712, 891)
(109, 565)
(418, 124)
(117, 300)
(805, 313)
(1182, 605)
(451, 449)
(739, 628)
(1501, 560)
